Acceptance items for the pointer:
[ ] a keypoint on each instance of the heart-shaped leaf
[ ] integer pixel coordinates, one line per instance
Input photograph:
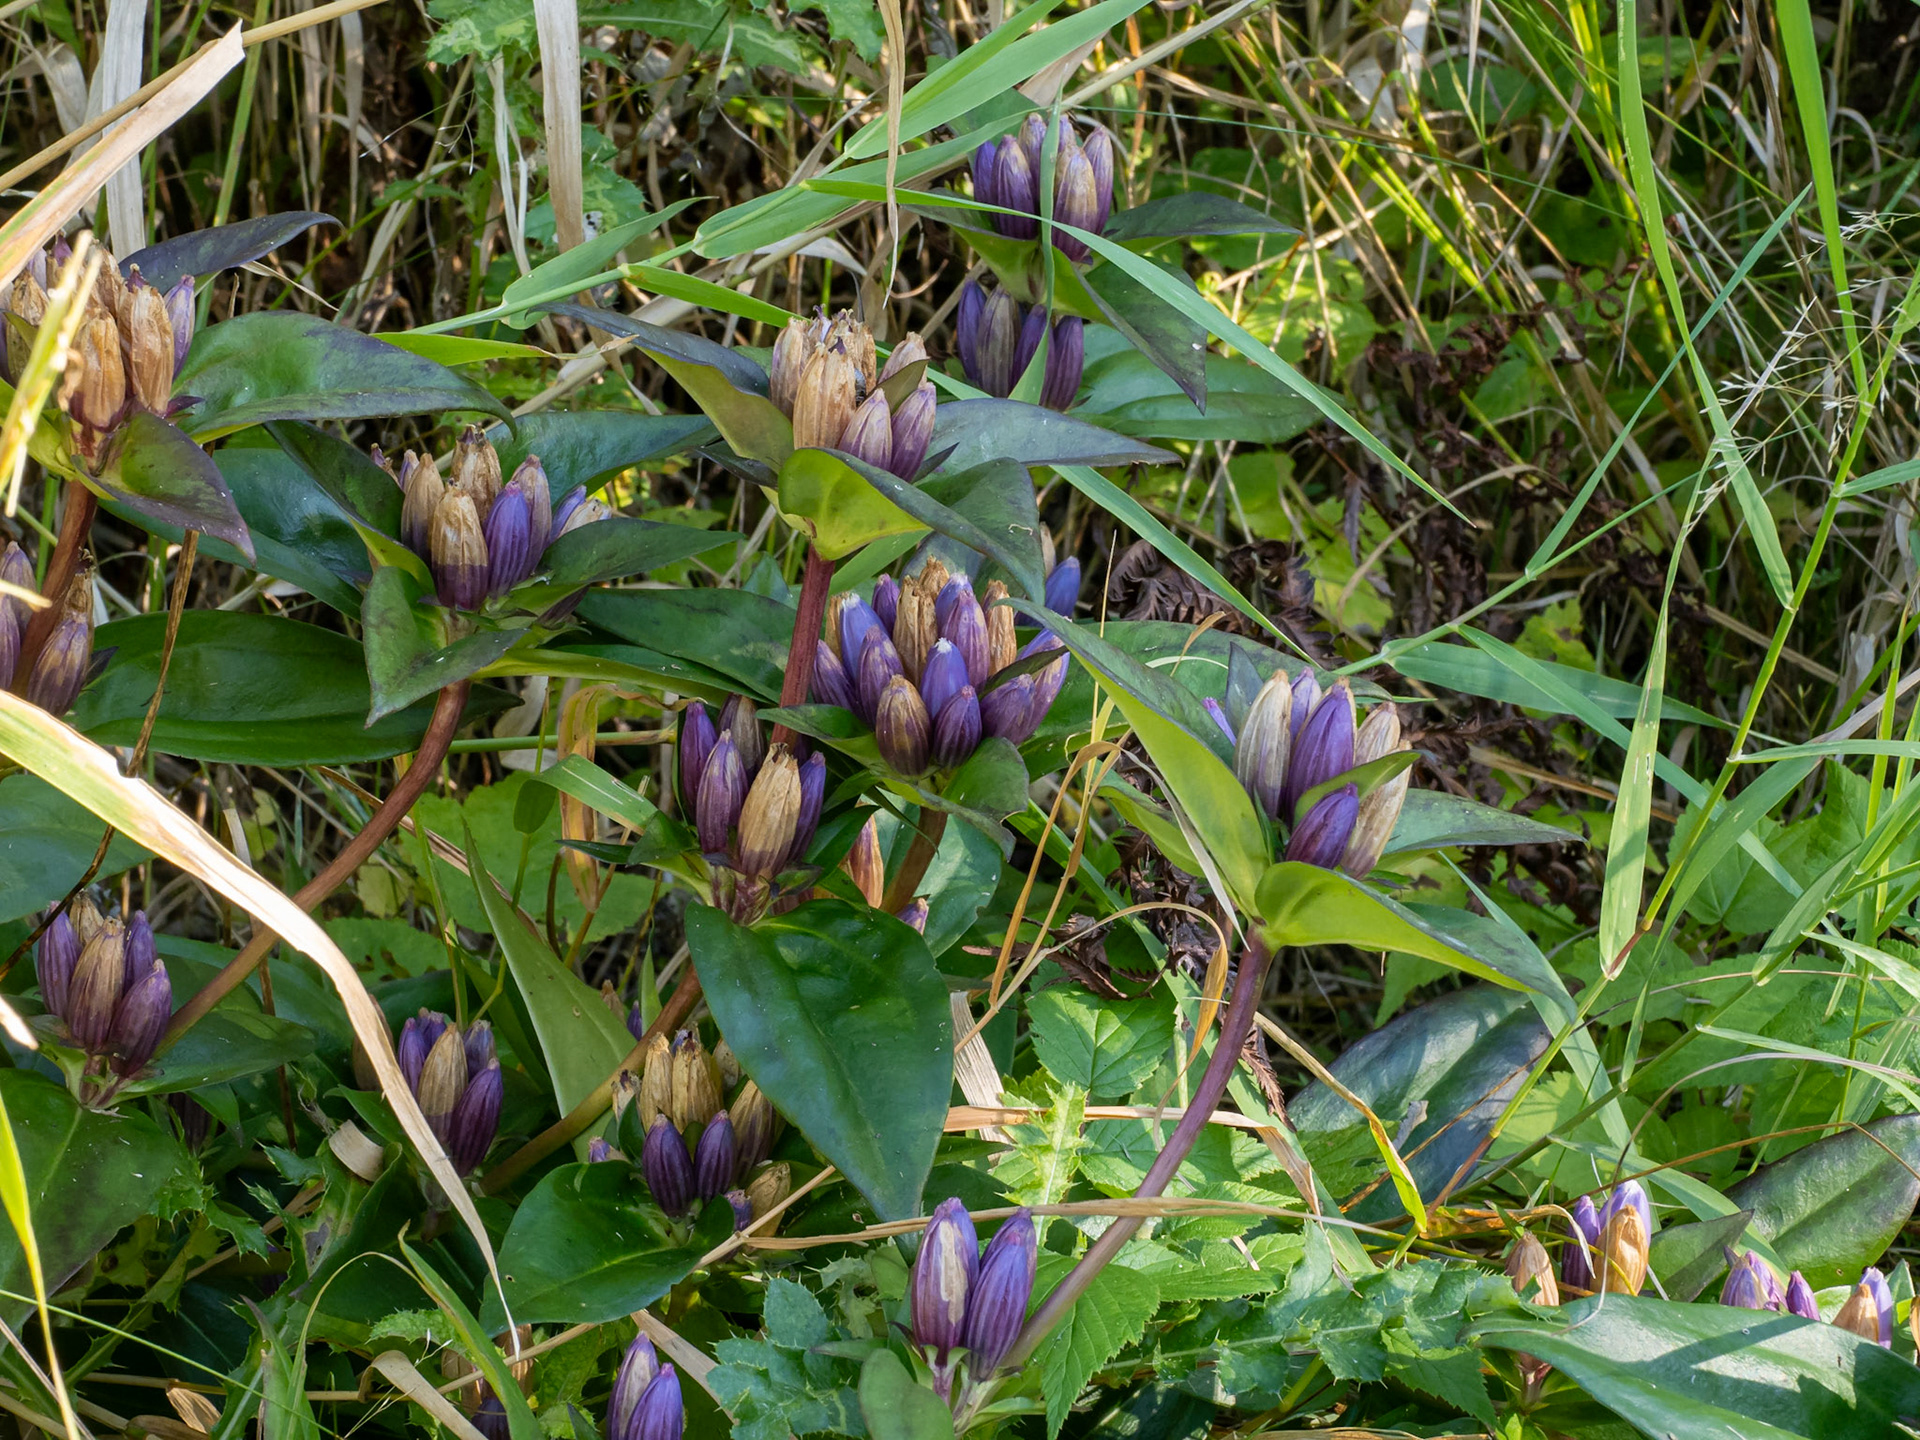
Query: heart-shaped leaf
(839, 1016)
(278, 365)
(157, 474)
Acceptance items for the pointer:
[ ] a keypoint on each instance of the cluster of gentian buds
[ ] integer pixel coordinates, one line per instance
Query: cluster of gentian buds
(646, 1403)
(1295, 739)
(922, 665)
(997, 339)
(1610, 1242)
(825, 377)
(60, 669)
(131, 342)
(693, 1146)
(1006, 173)
(1752, 1284)
(105, 982)
(754, 806)
(455, 1076)
(480, 535)
(965, 1306)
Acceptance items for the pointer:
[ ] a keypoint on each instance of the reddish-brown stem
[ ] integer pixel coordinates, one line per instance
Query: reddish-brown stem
(679, 1005)
(1234, 1029)
(76, 523)
(426, 764)
(926, 844)
(815, 581)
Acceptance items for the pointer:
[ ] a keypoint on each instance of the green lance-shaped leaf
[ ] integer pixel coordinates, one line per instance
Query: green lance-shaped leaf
(160, 476)
(220, 247)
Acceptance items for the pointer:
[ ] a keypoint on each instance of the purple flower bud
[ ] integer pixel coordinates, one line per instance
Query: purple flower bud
(913, 430)
(985, 168)
(857, 618)
(740, 718)
(869, 435)
(1306, 695)
(1751, 1285)
(1628, 1192)
(180, 319)
(99, 980)
(598, 1150)
(1799, 1298)
(1576, 1260)
(944, 1273)
(1066, 360)
(831, 685)
(1031, 137)
(813, 794)
(957, 728)
(417, 1039)
(901, 726)
(1214, 709)
(1875, 1284)
(713, 1157)
(476, 1119)
(637, 1369)
(141, 1019)
(509, 535)
(661, 1414)
(1033, 327)
(886, 601)
(915, 913)
(141, 952)
(879, 665)
(60, 670)
(696, 744)
(1016, 187)
(1099, 151)
(997, 345)
(943, 676)
(530, 479)
(997, 1306)
(967, 316)
(1063, 587)
(1076, 202)
(491, 1418)
(666, 1169)
(478, 1043)
(723, 790)
(569, 502)
(962, 623)
(58, 953)
(742, 1209)
(1321, 838)
(1322, 749)
(1003, 709)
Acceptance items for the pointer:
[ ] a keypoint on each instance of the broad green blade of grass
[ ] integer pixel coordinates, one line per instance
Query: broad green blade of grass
(1627, 838)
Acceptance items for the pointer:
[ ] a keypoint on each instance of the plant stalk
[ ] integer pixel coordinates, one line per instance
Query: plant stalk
(426, 764)
(926, 844)
(679, 1005)
(76, 522)
(815, 582)
(1234, 1029)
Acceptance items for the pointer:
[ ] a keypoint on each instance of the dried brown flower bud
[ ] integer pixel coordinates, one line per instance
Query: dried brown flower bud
(1002, 645)
(476, 469)
(865, 865)
(770, 815)
(825, 399)
(94, 389)
(147, 334)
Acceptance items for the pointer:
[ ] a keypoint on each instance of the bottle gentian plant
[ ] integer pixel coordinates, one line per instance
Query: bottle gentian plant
(60, 670)
(105, 984)
(825, 377)
(1007, 173)
(754, 806)
(997, 338)
(646, 1402)
(456, 1077)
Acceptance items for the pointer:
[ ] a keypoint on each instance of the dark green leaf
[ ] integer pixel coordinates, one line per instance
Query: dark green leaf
(345, 472)
(1712, 1372)
(578, 447)
(1129, 394)
(1475, 672)
(46, 843)
(621, 546)
(736, 633)
(840, 1017)
(970, 433)
(1161, 334)
(249, 689)
(157, 474)
(1106, 1047)
(1191, 212)
(87, 1176)
(1836, 1205)
(587, 1245)
(478, 1343)
(220, 247)
(1433, 819)
(998, 499)
(403, 664)
(895, 1408)
(1686, 1257)
(278, 365)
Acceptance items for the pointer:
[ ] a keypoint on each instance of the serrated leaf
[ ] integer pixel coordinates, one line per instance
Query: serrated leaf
(1109, 1316)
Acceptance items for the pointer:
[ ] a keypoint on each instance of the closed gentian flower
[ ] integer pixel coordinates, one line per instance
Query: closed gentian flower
(755, 1125)
(58, 952)
(1380, 807)
(769, 815)
(913, 431)
(1874, 1284)
(1532, 1272)
(1576, 1261)
(822, 377)
(1007, 173)
(1752, 1285)
(996, 339)
(509, 535)
(723, 790)
(666, 1167)
(1322, 749)
(599, 1151)
(456, 1077)
(637, 1369)
(1799, 1298)
(1076, 202)
(901, 727)
(997, 1301)
(180, 317)
(1861, 1315)
(1063, 587)
(661, 1413)
(457, 552)
(1321, 836)
(915, 913)
(869, 435)
(944, 1273)
(60, 669)
(1625, 1237)
(696, 741)
(714, 1157)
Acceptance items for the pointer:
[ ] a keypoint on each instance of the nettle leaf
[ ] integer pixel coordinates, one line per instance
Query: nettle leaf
(781, 1385)
(1106, 1047)
(1046, 1152)
(1111, 1315)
